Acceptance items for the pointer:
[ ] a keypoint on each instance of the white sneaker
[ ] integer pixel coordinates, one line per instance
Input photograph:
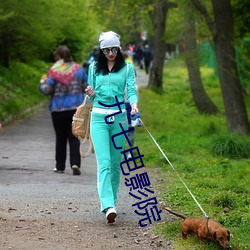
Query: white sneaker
(111, 214)
(58, 171)
(76, 170)
(129, 156)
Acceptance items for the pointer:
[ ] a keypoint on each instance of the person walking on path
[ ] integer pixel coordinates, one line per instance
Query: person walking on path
(147, 54)
(108, 78)
(65, 84)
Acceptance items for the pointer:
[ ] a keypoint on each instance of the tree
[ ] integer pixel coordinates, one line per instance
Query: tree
(28, 33)
(242, 33)
(201, 99)
(241, 17)
(159, 46)
(223, 38)
(127, 17)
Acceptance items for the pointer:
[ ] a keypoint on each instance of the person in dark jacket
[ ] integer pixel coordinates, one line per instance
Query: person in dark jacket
(147, 54)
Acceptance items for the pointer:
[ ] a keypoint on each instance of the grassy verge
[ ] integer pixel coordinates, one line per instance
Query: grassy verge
(213, 164)
(19, 88)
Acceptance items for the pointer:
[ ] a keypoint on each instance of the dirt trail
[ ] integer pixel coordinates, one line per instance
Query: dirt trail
(43, 210)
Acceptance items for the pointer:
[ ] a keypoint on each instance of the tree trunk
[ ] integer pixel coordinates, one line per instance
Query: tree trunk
(235, 109)
(159, 46)
(201, 99)
(223, 38)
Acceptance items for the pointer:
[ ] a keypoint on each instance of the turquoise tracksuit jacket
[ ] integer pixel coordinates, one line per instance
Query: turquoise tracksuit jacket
(113, 84)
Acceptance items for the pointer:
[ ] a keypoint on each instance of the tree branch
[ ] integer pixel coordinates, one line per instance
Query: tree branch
(202, 9)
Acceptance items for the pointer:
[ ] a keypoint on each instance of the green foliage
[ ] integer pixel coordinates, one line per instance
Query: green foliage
(219, 183)
(175, 28)
(224, 200)
(175, 25)
(231, 146)
(19, 87)
(128, 18)
(241, 17)
(243, 59)
(29, 33)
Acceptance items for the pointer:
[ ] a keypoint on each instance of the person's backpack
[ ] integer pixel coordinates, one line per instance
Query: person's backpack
(81, 126)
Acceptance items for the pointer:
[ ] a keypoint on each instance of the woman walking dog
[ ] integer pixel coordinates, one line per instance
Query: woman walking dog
(108, 78)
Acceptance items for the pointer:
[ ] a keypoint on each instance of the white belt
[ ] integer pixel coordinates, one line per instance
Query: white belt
(106, 111)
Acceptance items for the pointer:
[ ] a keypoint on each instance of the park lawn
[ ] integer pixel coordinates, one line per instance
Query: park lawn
(219, 182)
(189, 140)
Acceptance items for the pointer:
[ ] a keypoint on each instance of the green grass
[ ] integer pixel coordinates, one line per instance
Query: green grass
(19, 88)
(214, 164)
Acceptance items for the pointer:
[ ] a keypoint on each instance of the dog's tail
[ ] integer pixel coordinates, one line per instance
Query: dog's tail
(174, 213)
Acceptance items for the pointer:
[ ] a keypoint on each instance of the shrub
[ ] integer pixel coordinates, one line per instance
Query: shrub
(231, 146)
(223, 200)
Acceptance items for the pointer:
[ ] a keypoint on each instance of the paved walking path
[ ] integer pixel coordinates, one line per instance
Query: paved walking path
(27, 158)
(30, 190)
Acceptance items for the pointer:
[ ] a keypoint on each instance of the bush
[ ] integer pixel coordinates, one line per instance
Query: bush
(19, 88)
(224, 200)
(231, 146)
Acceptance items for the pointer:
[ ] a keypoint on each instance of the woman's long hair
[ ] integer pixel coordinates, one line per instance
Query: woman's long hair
(102, 66)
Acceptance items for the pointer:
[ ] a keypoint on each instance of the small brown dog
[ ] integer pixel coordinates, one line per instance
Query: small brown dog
(204, 229)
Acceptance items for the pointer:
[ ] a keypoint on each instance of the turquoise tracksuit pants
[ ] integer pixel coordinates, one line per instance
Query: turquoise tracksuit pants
(107, 156)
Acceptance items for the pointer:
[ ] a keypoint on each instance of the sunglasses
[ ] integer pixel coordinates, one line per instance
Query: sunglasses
(106, 51)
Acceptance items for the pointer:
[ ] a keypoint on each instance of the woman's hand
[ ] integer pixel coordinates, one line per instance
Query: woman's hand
(90, 91)
(43, 79)
(134, 109)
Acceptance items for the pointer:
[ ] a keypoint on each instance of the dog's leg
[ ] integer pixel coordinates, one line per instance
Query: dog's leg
(184, 235)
